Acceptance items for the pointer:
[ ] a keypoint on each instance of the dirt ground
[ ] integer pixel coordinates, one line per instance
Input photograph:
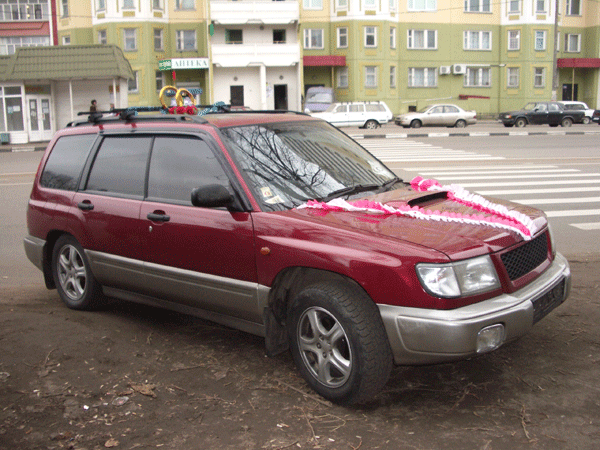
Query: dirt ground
(132, 377)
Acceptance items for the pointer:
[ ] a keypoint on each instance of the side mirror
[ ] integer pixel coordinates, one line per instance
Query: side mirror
(212, 196)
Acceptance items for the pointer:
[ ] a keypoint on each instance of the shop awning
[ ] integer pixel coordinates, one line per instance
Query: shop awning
(325, 60)
(587, 63)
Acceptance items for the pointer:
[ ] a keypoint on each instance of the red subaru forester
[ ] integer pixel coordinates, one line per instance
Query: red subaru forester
(281, 225)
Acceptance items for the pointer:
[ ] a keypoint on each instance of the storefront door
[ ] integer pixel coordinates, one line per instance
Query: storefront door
(40, 123)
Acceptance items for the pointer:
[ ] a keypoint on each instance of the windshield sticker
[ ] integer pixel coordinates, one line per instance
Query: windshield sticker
(274, 200)
(266, 192)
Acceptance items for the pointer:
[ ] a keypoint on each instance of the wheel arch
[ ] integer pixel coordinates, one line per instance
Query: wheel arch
(51, 239)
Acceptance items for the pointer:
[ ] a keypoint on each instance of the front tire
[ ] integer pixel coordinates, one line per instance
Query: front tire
(586, 120)
(521, 122)
(73, 277)
(339, 343)
(416, 124)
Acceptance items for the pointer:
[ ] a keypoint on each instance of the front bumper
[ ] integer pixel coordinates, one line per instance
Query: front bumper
(425, 336)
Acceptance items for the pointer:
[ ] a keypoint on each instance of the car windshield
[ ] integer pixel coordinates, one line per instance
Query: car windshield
(286, 164)
(319, 97)
(530, 106)
(424, 110)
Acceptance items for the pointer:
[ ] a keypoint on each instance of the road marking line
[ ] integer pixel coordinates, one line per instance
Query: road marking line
(586, 226)
(507, 177)
(530, 183)
(574, 213)
(540, 191)
(550, 201)
(493, 172)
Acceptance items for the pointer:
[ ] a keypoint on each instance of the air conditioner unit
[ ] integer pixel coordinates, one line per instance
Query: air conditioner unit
(459, 69)
(445, 70)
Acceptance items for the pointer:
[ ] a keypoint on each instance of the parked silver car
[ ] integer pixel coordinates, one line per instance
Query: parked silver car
(444, 115)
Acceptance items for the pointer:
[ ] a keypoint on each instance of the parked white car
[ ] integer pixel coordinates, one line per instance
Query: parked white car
(437, 116)
(356, 114)
(580, 106)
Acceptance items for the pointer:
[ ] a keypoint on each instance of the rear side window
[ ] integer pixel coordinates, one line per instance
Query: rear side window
(120, 165)
(180, 164)
(374, 107)
(65, 163)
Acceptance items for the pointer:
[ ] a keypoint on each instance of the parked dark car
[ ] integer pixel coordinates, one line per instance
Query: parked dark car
(596, 116)
(542, 113)
(280, 225)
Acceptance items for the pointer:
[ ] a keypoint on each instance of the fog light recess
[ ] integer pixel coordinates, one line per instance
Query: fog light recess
(490, 338)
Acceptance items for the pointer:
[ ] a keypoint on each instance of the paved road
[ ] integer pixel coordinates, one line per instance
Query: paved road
(559, 174)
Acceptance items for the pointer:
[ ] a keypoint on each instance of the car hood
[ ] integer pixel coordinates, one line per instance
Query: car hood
(457, 240)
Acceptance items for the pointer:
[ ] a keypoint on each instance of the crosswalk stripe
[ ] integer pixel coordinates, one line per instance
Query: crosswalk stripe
(574, 213)
(551, 201)
(530, 183)
(499, 172)
(507, 177)
(587, 226)
(562, 190)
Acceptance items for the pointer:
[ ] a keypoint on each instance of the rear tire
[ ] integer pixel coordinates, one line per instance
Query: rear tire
(460, 124)
(339, 343)
(73, 277)
(566, 122)
(371, 124)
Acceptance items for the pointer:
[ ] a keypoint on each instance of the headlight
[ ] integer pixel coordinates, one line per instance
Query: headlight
(469, 277)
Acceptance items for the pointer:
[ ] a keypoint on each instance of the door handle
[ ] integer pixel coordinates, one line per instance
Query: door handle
(158, 217)
(85, 205)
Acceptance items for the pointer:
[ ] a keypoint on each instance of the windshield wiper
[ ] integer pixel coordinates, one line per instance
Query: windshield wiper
(388, 184)
(350, 190)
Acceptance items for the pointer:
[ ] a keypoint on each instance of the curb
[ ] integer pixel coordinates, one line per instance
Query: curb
(473, 134)
(23, 148)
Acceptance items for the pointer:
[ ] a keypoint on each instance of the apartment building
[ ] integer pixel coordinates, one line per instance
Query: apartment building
(482, 54)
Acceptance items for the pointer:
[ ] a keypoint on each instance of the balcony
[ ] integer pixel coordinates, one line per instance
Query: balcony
(254, 11)
(271, 55)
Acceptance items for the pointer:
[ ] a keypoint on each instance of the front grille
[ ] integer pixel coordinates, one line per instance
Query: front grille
(525, 258)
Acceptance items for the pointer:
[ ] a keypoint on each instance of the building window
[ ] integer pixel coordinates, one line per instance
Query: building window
(186, 40)
(573, 7)
(132, 83)
(342, 77)
(157, 4)
(65, 8)
(66, 40)
(422, 5)
(8, 45)
(342, 37)
(184, 4)
(313, 38)
(477, 40)
(540, 6)
(160, 79)
(370, 4)
(393, 37)
(512, 77)
(478, 6)
(422, 39)
(101, 5)
(129, 39)
(370, 36)
(313, 4)
(392, 76)
(393, 5)
(422, 77)
(514, 6)
(514, 39)
(12, 109)
(128, 4)
(158, 40)
(23, 11)
(234, 37)
(341, 5)
(370, 77)
(539, 77)
(540, 40)
(477, 77)
(102, 37)
(279, 37)
(573, 43)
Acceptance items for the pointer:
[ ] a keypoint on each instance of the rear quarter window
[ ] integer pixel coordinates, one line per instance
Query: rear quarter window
(65, 162)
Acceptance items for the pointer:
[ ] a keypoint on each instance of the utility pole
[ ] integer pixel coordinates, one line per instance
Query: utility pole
(555, 51)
